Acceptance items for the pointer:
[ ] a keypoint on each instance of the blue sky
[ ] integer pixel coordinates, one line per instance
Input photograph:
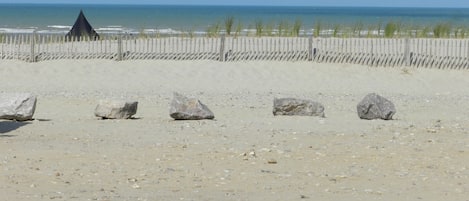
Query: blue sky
(372, 3)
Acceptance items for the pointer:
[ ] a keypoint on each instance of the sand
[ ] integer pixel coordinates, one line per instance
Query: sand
(245, 153)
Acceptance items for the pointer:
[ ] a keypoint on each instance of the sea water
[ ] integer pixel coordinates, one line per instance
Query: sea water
(59, 18)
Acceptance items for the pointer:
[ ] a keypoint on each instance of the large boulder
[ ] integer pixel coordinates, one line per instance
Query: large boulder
(374, 106)
(183, 108)
(297, 107)
(116, 109)
(17, 106)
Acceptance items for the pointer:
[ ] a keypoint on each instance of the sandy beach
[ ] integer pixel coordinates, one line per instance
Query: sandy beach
(246, 153)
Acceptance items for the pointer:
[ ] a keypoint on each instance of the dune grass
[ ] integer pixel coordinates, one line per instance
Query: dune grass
(259, 25)
(317, 29)
(214, 30)
(229, 24)
(296, 28)
(336, 30)
(390, 29)
(286, 28)
(442, 30)
(239, 28)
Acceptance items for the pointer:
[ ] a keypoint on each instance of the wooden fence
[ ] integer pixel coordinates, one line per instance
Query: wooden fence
(434, 53)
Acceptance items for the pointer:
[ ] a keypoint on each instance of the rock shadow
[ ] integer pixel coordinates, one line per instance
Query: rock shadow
(8, 126)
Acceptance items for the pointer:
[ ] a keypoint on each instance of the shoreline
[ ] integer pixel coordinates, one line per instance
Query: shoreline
(170, 32)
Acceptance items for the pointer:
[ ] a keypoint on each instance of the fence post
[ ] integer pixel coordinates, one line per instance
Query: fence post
(407, 52)
(119, 48)
(222, 48)
(310, 48)
(33, 43)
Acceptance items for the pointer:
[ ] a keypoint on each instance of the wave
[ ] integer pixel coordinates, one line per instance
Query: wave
(16, 30)
(116, 29)
(60, 27)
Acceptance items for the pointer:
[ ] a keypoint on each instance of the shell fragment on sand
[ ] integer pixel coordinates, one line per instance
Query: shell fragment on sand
(297, 107)
(374, 106)
(183, 108)
(116, 109)
(17, 106)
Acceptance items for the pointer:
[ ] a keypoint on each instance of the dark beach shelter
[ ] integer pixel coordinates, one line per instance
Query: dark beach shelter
(82, 28)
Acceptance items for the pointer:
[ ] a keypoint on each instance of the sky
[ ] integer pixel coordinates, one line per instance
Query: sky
(358, 3)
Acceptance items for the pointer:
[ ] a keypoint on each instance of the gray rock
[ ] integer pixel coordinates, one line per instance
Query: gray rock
(297, 107)
(374, 106)
(17, 106)
(116, 109)
(183, 108)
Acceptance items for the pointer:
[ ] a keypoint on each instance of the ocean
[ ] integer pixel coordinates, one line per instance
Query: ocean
(57, 18)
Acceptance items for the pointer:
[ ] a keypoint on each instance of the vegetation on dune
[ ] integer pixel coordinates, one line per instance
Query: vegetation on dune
(239, 28)
(460, 32)
(357, 28)
(229, 24)
(214, 30)
(269, 29)
(285, 28)
(336, 30)
(281, 28)
(390, 29)
(425, 32)
(259, 27)
(317, 29)
(442, 30)
(296, 28)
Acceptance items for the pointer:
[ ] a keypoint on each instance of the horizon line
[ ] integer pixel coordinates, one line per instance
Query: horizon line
(228, 5)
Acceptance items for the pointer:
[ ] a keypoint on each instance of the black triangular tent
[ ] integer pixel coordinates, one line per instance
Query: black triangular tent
(82, 28)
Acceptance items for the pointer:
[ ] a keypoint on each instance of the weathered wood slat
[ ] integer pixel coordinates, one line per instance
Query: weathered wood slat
(434, 53)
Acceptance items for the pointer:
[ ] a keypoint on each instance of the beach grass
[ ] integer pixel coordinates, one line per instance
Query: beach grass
(317, 29)
(425, 32)
(259, 25)
(239, 28)
(442, 30)
(296, 28)
(229, 24)
(336, 30)
(390, 29)
(214, 30)
(460, 32)
(286, 28)
(357, 28)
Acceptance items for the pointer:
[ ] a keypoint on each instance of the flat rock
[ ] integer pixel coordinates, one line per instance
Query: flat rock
(116, 109)
(17, 106)
(374, 106)
(183, 108)
(297, 107)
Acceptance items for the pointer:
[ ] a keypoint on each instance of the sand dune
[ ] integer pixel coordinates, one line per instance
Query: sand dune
(246, 153)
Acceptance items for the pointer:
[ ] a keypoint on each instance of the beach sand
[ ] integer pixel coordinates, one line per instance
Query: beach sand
(246, 153)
